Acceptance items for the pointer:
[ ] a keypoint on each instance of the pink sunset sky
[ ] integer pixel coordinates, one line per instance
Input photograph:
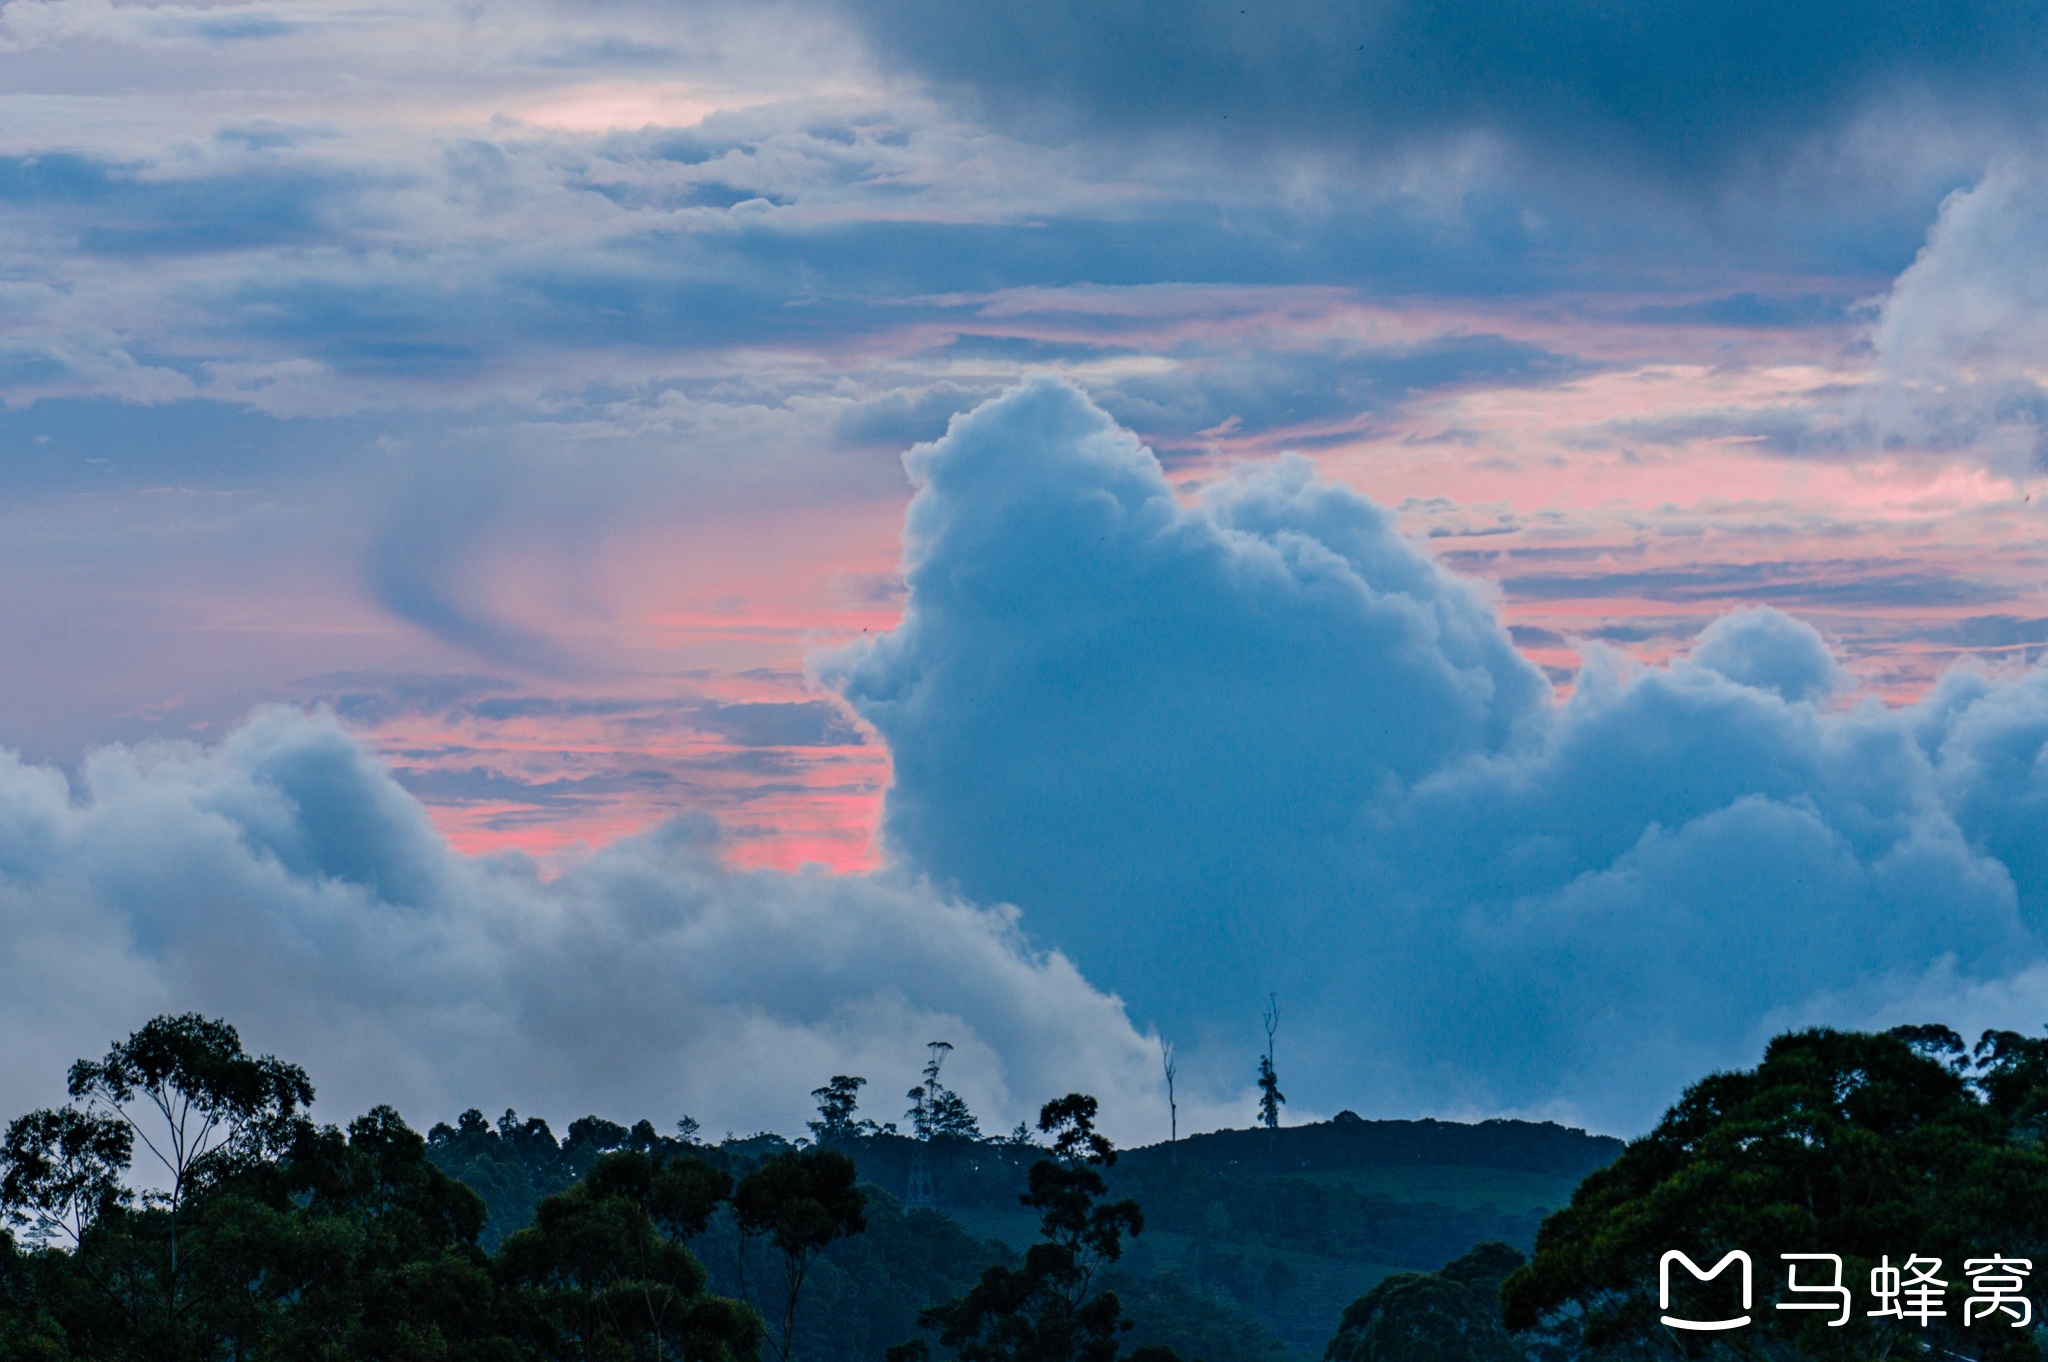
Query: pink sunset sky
(452, 456)
(1622, 507)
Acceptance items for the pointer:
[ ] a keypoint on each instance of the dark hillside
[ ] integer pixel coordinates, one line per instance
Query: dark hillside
(1291, 1225)
(1288, 1226)
(1255, 1240)
(1349, 1143)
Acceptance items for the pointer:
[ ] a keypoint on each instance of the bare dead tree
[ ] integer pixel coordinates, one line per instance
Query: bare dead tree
(1171, 1065)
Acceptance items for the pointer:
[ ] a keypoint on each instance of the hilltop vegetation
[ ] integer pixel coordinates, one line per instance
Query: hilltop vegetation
(1255, 1241)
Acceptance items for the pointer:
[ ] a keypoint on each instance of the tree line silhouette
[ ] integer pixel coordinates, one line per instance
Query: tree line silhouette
(258, 1234)
(184, 1207)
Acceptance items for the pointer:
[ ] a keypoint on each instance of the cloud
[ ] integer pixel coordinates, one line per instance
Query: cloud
(1267, 387)
(558, 349)
(1761, 648)
(1261, 743)
(1695, 88)
(1960, 336)
(283, 880)
(796, 723)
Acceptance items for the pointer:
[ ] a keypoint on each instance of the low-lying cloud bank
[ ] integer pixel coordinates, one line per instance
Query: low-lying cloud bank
(284, 881)
(1261, 742)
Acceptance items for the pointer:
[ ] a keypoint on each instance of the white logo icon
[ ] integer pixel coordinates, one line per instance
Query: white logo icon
(1664, 1288)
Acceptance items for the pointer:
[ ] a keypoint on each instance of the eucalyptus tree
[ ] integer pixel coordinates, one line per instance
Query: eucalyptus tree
(801, 1202)
(1052, 1309)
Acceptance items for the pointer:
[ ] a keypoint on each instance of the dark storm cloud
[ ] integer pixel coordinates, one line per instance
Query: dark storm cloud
(70, 445)
(1686, 87)
(1993, 631)
(463, 785)
(375, 698)
(1750, 310)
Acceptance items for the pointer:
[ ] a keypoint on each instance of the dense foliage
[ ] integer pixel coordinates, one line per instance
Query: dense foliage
(512, 1164)
(259, 1235)
(1450, 1315)
(1866, 1146)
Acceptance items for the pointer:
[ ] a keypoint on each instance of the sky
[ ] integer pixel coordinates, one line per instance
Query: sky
(633, 557)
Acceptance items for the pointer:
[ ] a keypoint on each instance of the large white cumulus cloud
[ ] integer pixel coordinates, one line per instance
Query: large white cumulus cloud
(1261, 743)
(1103, 701)
(1962, 335)
(284, 881)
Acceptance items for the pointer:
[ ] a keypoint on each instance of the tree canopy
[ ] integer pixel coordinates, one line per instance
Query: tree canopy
(1875, 1148)
(799, 1202)
(263, 1236)
(1450, 1315)
(1051, 1309)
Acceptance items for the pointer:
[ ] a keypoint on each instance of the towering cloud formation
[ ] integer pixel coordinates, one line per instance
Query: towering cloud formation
(1260, 742)
(1132, 716)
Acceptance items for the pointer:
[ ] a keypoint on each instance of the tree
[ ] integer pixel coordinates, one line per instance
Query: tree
(1271, 1099)
(352, 1246)
(184, 1088)
(59, 1170)
(1450, 1315)
(838, 1100)
(1049, 1309)
(272, 1238)
(1865, 1146)
(265, 1237)
(1171, 1065)
(195, 1099)
(602, 1272)
(801, 1202)
(937, 1111)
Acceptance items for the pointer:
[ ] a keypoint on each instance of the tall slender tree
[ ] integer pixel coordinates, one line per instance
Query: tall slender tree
(1171, 1065)
(1271, 1099)
(800, 1202)
(1051, 1309)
